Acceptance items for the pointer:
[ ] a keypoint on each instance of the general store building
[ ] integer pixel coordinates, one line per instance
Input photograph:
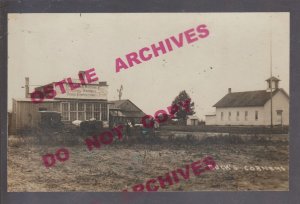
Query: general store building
(87, 102)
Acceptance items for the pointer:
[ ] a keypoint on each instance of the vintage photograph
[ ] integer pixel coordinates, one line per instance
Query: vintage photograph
(145, 102)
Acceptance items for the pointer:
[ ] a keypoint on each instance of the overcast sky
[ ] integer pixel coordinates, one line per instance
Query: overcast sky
(236, 54)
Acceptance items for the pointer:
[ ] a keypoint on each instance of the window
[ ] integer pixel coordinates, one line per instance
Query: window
(229, 115)
(73, 111)
(89, 111)
(237, 115)
(279, 116)
(246, 115)
(222, 115)
(256, 115)
(104, 111)
(65, 111)
(96, 111)
(42, 109)
(83, 111)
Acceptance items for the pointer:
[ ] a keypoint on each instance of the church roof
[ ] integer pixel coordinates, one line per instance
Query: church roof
(247, 98)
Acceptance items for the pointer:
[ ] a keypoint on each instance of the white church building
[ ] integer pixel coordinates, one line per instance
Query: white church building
(252, 107)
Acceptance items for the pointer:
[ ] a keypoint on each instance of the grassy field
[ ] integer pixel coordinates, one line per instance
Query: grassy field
(119, 166)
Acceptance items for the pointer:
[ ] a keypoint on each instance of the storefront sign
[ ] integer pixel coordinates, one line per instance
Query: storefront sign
(89, 91)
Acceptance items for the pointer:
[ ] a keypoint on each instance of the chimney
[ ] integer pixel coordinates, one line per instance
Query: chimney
(229, 90)
(103, 83)
(27, 87)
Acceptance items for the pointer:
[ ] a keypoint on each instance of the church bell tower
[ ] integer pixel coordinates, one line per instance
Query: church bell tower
(272, 83)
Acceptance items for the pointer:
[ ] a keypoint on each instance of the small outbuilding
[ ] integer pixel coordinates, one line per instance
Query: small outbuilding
(192, 120)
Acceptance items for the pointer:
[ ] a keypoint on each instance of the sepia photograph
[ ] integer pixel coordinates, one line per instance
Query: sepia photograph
(148, 102)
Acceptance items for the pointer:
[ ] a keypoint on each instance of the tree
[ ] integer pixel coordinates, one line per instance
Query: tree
(182, 114)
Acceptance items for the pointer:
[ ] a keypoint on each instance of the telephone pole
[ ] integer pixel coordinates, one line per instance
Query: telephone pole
(271, 92)
(120, 92)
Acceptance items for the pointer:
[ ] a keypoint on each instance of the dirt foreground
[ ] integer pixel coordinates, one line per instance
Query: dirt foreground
(240, 167)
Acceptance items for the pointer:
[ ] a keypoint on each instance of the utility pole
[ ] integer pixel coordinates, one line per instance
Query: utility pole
(120, 92)
(271, 92)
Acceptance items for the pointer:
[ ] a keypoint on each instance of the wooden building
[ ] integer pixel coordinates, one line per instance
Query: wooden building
(260, 108)
(122, 111)
(84, 103)
(192, 120)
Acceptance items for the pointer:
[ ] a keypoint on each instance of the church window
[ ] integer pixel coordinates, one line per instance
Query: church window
(246, 115)
(256, 115)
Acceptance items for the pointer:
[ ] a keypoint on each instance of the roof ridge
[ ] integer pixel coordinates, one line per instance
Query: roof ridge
(246, 98)
(248, 91)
